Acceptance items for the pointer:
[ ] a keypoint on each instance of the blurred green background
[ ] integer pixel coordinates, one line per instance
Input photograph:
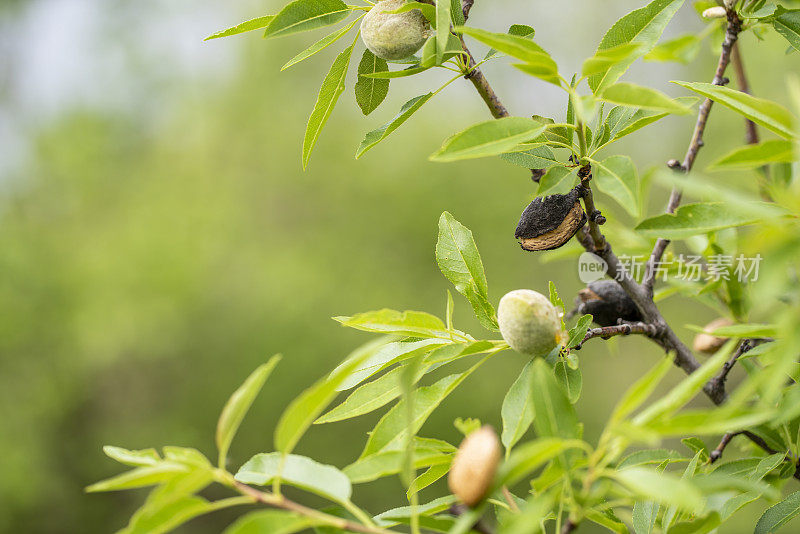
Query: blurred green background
(159, 239)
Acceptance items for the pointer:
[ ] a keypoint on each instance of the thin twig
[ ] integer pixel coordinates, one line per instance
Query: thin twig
(731, 35)
(625, 329)
(510, 500)
(751, 130)
(475, 75)
(279, 501)
(716, 454)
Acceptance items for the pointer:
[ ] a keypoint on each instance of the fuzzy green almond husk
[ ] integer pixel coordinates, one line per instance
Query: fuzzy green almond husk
(394, 35)
(529, 323)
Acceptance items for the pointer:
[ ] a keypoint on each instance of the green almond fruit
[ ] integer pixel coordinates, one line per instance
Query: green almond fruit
(529, 323)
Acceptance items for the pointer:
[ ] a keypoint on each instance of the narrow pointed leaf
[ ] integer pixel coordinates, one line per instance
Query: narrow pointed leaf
(629, 94)
(303, 410)
(376, 136)
(766, 113)
(517, 409)
(695, 219)
(250, 25)
(303, 15)
(272, 521)
(643, 26)
(460, 262)
(787, 23)
(238, 405)
(616, 176)
(488, 138)
(753, 156)
(779, 514)
(332, 87)
(320, 45)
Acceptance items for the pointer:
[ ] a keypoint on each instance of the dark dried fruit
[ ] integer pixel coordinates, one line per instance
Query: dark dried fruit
(607, 302)
(549, 222)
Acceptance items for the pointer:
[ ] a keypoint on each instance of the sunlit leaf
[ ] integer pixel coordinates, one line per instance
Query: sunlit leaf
(303, 15)
(238, 405)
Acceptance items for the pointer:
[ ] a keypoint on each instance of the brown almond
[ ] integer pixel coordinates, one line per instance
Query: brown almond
(474, 466)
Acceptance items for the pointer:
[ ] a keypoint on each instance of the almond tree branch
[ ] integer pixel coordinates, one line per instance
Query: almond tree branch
(731, 35)
(751, 130)
(474, 74)
(625, 329)
(279, 501)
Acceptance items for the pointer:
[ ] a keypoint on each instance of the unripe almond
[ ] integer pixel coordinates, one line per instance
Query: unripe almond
(394, 35)
(707, 343)
(717, 12)
(529, 323)
(474, 466)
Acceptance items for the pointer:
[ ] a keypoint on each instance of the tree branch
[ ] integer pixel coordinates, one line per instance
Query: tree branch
(731, 35)
(625, 329)
(279, 501)
(474, 74)
(751, 130)
(569, 527)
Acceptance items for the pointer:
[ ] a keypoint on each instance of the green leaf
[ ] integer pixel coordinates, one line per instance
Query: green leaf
(148, 475)
(607, 519)
(385, 355)
(134, 458)
(303, 410)
(370, 92)
(391, 430)
(389, 74)
(376, 136)
(272, 521)
(578, 332)
(555, 415)
(643, 26)
(682, 49)
(570, 379)
(517, 410)
(488, 138)
(540, 157)
(407, 323)
(320, 45)
(252, 24)
(695, 219)
(434, 473)
(556, 180)
(303, 15)
(367, 398)
(764, 112)
(623, 121)
(442, 29)
(651, 457)
(779, 514)
(607, 58)
(644, 517)
(428, 10)
(661, 487)
(427, 453)
(332, 87)
(521, 30)
(515, 46)
(787, 23)
(238, 405)
(531, 519)
(324, 480)
(741, 330)
(629, 94)
(641, 390)
(696, 445)
(704, 525)
(460, 262)
(684, 391)
(616, 176)
(531, 455)
(752, 156)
